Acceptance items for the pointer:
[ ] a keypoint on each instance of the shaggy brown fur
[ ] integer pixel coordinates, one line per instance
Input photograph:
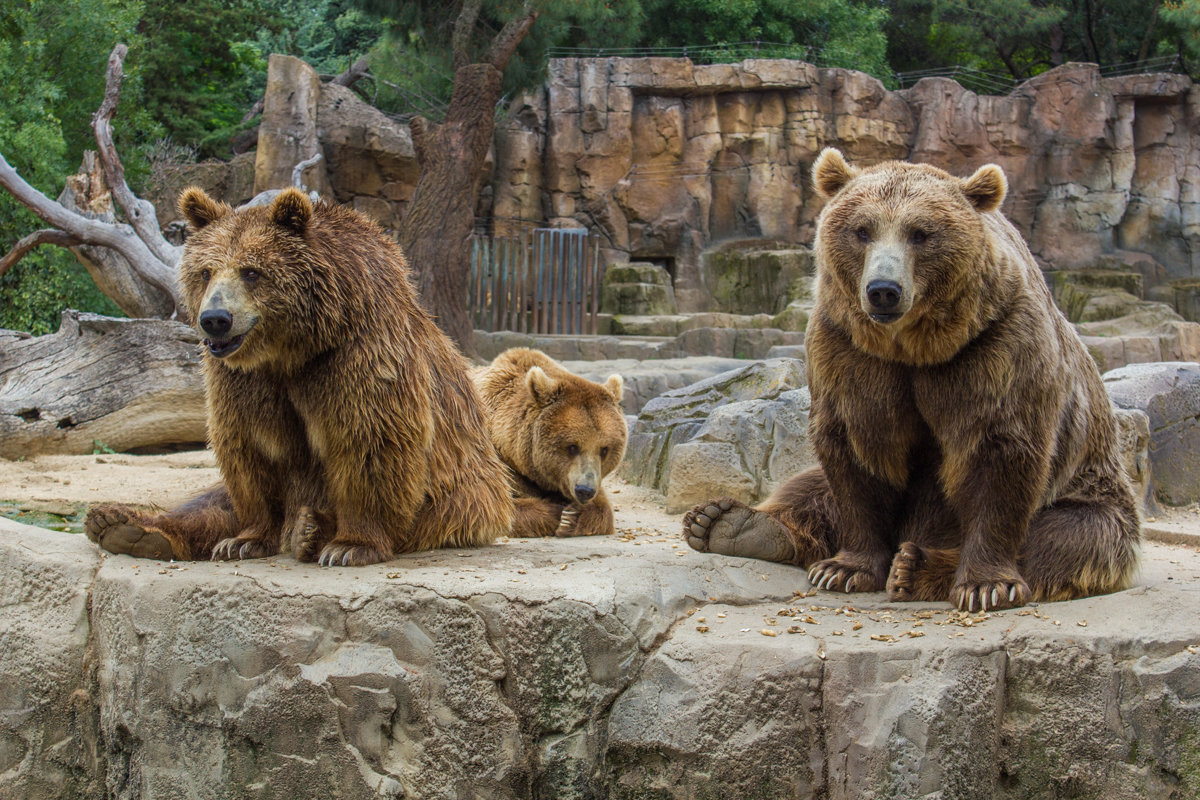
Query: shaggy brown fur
(968, 450)
(343, 421)
(560, 435)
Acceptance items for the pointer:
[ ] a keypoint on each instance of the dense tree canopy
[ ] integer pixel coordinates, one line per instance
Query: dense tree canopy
(195, 70)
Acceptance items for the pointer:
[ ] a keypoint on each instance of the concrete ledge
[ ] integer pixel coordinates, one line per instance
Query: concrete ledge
(622, 667)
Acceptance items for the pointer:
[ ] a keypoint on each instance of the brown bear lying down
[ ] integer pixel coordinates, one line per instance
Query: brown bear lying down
(968, 450)
(344, 422)
(559, 435)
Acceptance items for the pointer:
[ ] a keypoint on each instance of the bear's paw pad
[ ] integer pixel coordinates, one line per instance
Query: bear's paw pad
(729, 527)
(341, 554)
(990, 595)
(119, 530)
(239, 547)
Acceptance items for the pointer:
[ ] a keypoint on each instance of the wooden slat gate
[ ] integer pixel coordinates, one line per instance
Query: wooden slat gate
(545, 280)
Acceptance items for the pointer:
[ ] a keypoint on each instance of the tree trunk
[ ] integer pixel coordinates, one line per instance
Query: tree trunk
(99, 381)
(435, 232)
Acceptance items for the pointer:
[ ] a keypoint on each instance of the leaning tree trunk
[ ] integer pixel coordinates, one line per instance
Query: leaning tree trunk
(436, 229)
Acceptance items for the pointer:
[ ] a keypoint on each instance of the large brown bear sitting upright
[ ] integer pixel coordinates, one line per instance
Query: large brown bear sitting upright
(559, 435)
(344, 422)
(964, 436)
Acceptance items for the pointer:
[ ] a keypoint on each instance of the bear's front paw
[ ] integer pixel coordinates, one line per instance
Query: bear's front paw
(990, 595)
(238, 547)
(340, 554)
(841, 574)
(568, 522)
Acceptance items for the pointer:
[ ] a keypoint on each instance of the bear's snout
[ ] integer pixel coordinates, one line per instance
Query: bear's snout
(884, 296)
(216, 322)
(584, 493)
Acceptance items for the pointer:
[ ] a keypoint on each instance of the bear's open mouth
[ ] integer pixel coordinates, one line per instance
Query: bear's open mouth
(223, 347)
(885, 318)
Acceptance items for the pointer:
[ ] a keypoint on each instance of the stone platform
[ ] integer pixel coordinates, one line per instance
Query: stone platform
(623, 667)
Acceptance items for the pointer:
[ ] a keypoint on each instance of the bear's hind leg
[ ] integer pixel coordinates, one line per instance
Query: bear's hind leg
(184, 534)
(1081, 547)
(794, 525)
(920, 573)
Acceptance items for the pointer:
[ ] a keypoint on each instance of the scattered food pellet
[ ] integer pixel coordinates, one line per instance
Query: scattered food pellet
(914, 634)
(795, 629)
(837, 633)
(884, 637)
(856, 626)
(767, 632)
(1082, 623)
(821, 654)
(702, 628)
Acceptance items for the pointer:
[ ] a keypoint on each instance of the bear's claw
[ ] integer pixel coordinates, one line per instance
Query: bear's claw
(338, 554)
(567, 522)
(835, 575)
(238, 547)
(990, 595)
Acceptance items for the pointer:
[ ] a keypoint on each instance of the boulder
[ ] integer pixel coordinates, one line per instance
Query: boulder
(753, 277)
(739, 433)
(1169, 394)
(640, 289)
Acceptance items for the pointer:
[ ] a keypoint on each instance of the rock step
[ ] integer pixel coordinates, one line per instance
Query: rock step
(707, 341)
(577, 669)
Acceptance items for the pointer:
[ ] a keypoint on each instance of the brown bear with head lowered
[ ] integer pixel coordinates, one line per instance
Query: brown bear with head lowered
(968, 449)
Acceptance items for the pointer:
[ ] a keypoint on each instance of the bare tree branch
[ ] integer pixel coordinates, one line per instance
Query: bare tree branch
(299, 169)
(510, 36)
(121, 238)
(141, 213)
(460, 41)
(358, 70)
(44, 236)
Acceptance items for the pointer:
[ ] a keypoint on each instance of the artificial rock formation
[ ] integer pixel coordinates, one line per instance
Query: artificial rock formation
(582, 669)
(664, 158)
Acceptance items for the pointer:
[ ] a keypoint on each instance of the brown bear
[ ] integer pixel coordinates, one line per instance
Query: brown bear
(344, 422)
(963, 433)
(559, 435)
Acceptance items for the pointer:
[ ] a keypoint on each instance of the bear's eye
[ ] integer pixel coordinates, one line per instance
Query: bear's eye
(572, 450)
(863, 234)
(603, 453)
(205, 275)
(918, 236)
(250, 275)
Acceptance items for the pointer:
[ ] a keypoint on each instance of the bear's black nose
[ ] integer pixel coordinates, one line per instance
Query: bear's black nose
(883, 296)
(584, 493)
(216, 323)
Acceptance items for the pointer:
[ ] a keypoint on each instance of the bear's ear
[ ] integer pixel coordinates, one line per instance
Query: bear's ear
(541, 385)
(616, 387)
(831, 172)
(986, 188)
(291, 209)
(199, 209)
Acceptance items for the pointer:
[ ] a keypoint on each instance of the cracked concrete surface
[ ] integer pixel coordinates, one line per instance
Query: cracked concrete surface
(617, 667)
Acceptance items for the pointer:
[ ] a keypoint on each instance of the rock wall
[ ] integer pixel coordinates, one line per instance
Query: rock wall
(665, 158)
(615, 668)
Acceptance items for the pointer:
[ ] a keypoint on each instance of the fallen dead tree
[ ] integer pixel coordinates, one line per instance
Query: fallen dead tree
(100, 383)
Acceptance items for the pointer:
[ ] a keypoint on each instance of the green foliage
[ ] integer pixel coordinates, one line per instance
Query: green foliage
(1021, 38)
(836, 33)
(52, 61)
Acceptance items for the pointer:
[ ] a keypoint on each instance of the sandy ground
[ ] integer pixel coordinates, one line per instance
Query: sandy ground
(64, 485)
(34, 489)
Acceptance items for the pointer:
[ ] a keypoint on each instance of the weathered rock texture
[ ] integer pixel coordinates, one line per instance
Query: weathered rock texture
(573, 669)
(664, 158)
(743, 432)
(1169, 394)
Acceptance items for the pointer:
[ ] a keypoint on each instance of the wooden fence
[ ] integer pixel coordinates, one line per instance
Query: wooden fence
(544, 280)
